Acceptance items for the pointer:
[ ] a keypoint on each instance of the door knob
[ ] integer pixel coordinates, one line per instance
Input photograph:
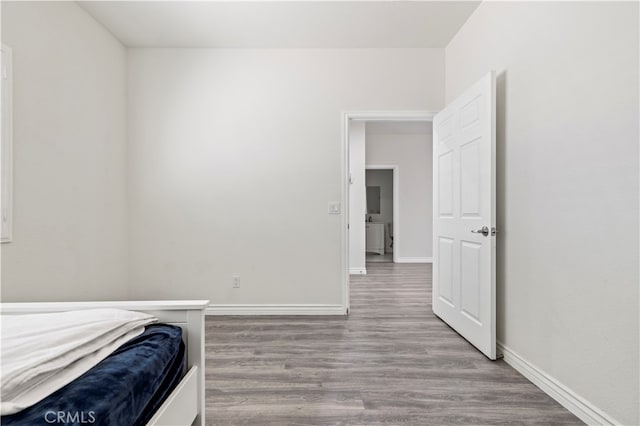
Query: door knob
(484, 231)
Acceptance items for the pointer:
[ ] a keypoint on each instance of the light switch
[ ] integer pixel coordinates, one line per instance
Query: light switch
(334, 207)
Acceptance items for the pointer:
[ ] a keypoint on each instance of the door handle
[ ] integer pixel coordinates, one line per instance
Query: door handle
(484, 231)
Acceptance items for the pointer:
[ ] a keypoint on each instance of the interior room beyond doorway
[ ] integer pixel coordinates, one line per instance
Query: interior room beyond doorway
(404, 231)
(379, 217)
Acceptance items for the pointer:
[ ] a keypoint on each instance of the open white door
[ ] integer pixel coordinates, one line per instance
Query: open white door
(464, 215)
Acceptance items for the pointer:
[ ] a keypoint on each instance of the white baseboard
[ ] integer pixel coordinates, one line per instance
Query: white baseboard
(414, 260)
(583, 409)
(266, 309)
(357, 271)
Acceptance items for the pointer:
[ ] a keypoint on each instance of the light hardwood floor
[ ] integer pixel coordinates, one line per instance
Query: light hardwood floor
(390, 362)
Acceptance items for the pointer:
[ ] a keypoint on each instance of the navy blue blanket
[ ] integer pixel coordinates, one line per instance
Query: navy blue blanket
(125, 388)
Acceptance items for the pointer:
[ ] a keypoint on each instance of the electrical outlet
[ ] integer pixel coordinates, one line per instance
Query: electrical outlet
(235, 279)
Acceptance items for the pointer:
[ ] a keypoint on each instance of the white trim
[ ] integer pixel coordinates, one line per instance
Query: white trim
(357, 271)
(344, 234)
(346, 117)
(583, 409)
(264, 309)
(414, 260)
(396, 205)
(391, 115)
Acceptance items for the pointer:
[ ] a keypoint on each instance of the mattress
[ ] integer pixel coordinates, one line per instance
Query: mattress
(126, 388)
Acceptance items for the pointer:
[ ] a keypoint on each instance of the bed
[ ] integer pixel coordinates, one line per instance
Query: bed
(180, 396)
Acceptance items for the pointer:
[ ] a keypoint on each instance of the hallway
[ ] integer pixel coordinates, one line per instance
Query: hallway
(391, 361)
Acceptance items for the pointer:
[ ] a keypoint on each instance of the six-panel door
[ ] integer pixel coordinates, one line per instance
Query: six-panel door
(464, 203)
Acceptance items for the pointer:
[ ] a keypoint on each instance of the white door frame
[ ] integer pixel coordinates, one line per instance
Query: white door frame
(396, 203)
(347, 117)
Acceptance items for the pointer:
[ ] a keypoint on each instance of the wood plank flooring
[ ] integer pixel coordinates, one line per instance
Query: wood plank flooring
(390, 362)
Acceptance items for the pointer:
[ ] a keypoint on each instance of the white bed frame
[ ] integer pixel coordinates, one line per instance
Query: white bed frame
(185, 405)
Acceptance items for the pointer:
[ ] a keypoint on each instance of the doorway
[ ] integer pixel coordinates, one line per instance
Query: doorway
(354, 164)
(382, 212)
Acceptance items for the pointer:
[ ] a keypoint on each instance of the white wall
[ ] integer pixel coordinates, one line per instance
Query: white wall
(567, 138)
(407, 145)
(357, 198)
(69, 111)
(234, 155)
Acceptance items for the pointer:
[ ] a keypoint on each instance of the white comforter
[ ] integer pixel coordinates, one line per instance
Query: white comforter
(41, 353)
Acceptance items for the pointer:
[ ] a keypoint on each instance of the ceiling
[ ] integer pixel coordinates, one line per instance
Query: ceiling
(282, 24)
